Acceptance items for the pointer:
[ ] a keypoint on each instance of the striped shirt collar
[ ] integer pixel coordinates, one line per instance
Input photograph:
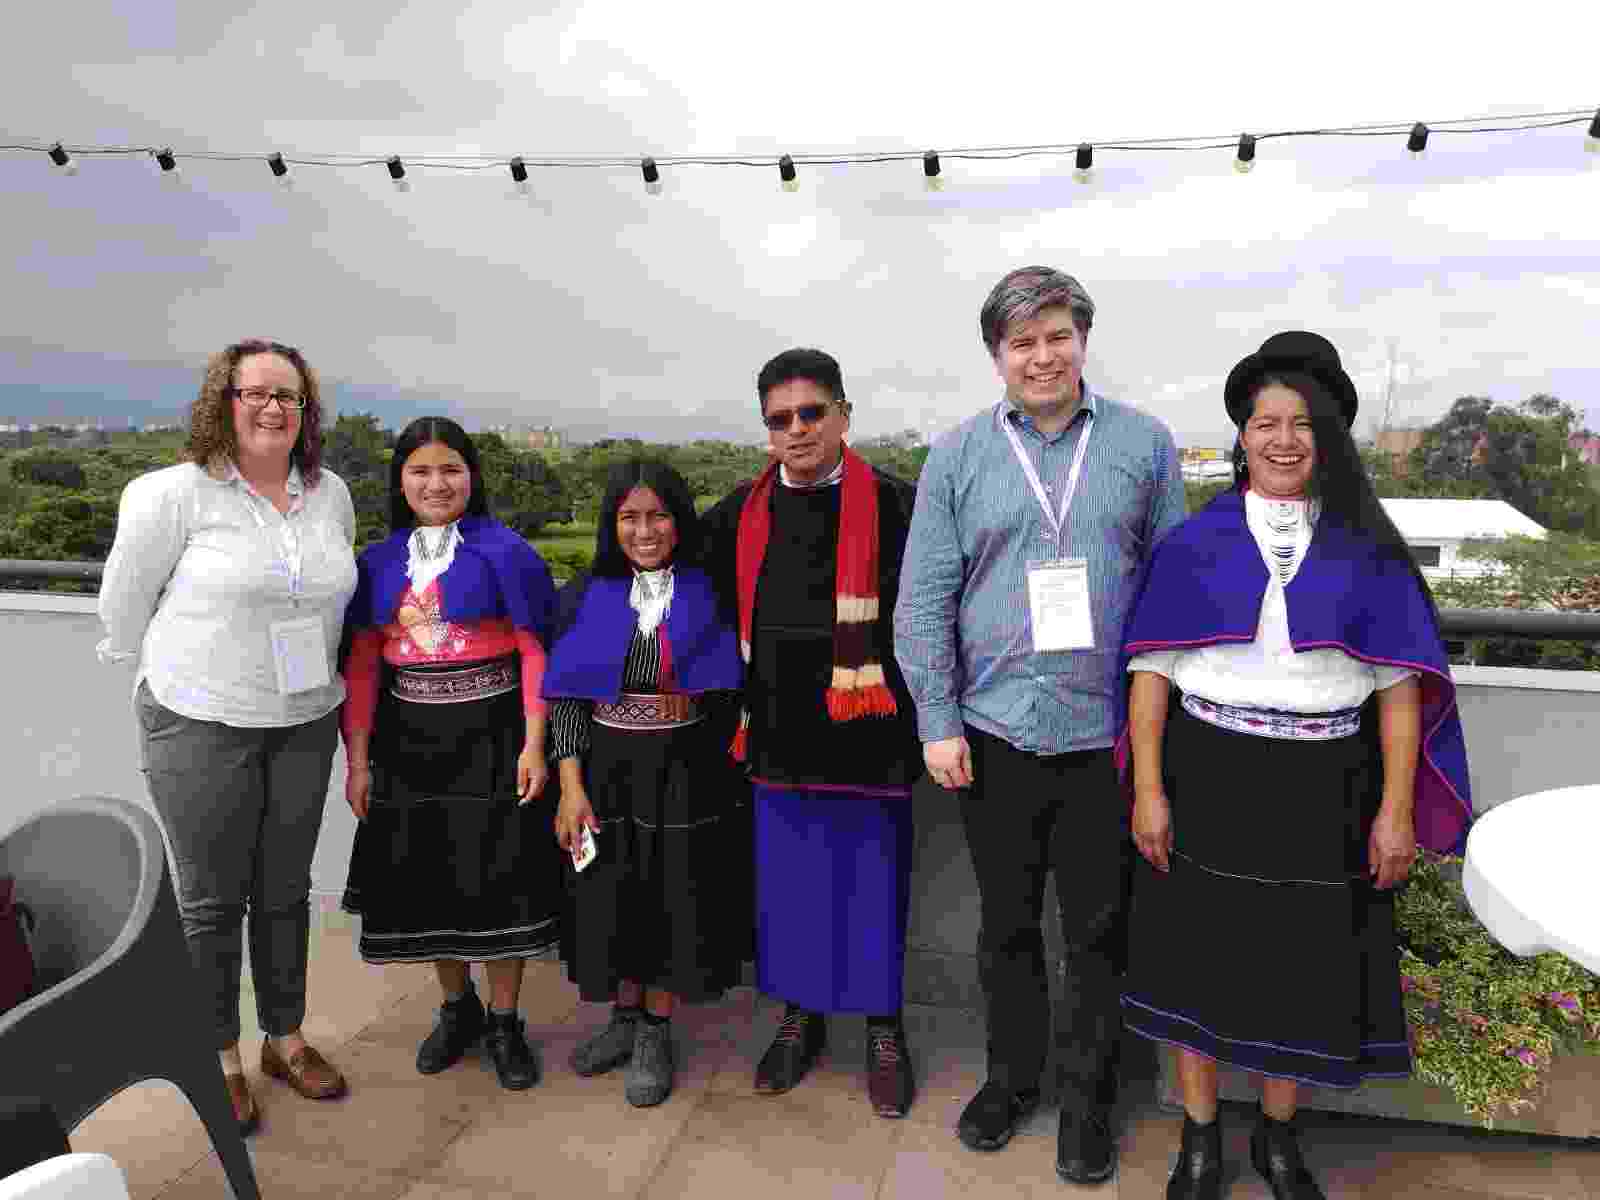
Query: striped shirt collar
(1006, 410)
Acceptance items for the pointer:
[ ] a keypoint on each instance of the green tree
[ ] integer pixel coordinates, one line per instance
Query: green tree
(524, 491)
(49, 467)
(1559, 571)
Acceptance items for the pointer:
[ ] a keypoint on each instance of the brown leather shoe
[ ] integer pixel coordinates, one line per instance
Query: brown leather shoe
(307, 1072)
(244, 1104)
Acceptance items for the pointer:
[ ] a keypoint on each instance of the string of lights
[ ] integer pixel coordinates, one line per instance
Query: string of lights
(1245, 145)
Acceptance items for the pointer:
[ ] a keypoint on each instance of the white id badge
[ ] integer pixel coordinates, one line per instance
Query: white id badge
(300, 654)
(584, 854)
(1058, 601)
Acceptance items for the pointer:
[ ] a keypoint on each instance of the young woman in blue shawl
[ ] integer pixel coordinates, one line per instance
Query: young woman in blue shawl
(643, 676)
(444, 729)
(1293, 735)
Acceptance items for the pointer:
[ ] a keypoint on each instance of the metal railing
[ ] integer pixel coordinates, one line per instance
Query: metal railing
(1453, 622)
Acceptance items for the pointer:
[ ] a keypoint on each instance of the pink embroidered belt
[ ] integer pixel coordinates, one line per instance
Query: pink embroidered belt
(453, 685)
(1262, 722)
(640, 710)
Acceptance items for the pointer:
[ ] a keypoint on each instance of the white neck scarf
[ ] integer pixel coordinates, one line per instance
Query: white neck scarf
(651, 598)
(432, 549)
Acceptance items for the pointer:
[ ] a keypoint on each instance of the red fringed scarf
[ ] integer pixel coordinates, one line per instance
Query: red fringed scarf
(859, 688)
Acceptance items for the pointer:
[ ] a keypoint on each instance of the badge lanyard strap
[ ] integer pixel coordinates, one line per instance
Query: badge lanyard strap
(1056, 522)
(293, 559)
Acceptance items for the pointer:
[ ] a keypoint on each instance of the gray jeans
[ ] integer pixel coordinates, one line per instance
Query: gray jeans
(242, 809)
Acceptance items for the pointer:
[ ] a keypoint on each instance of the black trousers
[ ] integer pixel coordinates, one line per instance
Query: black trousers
(1027, 815)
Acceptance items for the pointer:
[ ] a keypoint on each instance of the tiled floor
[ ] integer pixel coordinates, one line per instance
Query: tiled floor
(457, 1136)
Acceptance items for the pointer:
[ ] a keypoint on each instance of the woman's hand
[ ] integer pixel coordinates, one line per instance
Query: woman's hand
(572, 814)
(358, 789)
(1152, 827)
(1391, 847)
(532, 772)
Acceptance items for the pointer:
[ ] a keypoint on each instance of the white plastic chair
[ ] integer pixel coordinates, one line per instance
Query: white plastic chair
(67, 1177)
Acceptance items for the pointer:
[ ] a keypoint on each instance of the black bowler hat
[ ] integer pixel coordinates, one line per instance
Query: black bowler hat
(1297, 350)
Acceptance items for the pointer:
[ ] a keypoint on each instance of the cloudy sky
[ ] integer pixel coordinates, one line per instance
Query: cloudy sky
(594, 307)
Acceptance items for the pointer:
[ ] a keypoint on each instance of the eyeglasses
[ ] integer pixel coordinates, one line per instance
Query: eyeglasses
(809, 414)
(255, 397)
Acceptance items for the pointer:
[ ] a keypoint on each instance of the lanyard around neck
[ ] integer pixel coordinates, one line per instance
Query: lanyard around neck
(289, 551)
(1056, 521)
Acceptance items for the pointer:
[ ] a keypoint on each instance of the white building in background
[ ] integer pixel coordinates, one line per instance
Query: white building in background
(1435, 530)
(1207, 470)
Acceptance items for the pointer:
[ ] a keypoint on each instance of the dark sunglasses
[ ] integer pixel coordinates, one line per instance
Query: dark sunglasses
(809, 414)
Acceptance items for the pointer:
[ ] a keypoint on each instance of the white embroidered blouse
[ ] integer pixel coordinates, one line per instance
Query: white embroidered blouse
(1267, 673)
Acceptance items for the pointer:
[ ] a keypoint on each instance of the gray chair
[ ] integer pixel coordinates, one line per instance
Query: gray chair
(113, 1005)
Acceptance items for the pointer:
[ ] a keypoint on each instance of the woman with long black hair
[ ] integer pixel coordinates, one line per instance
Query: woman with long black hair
(445, 733)
(1293, 735)
(643, 675)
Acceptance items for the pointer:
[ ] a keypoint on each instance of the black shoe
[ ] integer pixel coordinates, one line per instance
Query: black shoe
(992, 1116)
(890, 1085)
(1085, 1150)
(460, 1025)
(1275, 1152)
(514, 1060)
(800, 1038)
(649, 1078)
(1198, 1173)
(611, 1047)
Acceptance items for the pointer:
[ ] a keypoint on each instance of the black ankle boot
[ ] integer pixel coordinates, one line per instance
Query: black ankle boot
(460, 1024)
(1198, 1174)
(1275, 1152)
(514, 1060)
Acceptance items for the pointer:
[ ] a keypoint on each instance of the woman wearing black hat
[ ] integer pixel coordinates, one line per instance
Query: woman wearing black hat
(1291, 736)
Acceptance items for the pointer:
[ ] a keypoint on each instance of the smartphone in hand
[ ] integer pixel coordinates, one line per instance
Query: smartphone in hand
(584, 854)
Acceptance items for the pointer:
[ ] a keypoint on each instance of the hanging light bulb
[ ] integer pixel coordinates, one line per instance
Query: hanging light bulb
(652, 176)
(397, 172)
(786, 173)
(519, 174)
(1418, 141)
(1083, 163)
(1246, 157)
(930, 171)
(59, 156)
(1592, 142)
(168, 163)
(280, 170)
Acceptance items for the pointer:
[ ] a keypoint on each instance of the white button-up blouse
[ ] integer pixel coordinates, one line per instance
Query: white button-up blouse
(201, 569)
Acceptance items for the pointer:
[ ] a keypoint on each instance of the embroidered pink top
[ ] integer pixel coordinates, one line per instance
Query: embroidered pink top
(419, 636)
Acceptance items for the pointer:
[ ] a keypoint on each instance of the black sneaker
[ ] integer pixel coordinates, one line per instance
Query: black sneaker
(1085, 1150)
(992, 1116)
(610, 1048)
(800, 1039)
(890, 1085)
(514, 1060)
(460, 1025)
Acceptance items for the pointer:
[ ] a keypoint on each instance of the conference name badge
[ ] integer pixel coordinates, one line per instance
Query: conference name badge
(1058, 603)
(300, 655)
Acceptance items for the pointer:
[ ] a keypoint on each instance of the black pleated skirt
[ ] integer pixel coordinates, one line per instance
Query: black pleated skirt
(1265, 946)
(667, 900)
(447, 865)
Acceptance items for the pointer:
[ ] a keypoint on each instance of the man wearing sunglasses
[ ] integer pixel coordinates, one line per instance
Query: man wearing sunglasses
(810, 552)
(1034, 520)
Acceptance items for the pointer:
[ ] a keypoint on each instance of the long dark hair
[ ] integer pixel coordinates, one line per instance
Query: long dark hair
(422, 432)
(609, 560)
(1339, 479)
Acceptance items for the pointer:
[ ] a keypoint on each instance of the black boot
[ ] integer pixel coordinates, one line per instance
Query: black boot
(460, 1025)
(1198, 1173)
(514, 1060)
(1275, 1151)
(800, 1039)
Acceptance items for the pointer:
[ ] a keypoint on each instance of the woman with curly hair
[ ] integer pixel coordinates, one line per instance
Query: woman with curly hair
(227, 585)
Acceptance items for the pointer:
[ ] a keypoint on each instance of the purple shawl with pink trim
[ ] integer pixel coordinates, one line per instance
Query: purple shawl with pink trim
(1205, 584)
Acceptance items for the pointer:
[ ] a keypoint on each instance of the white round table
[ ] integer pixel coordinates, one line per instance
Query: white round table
(1531, 876)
